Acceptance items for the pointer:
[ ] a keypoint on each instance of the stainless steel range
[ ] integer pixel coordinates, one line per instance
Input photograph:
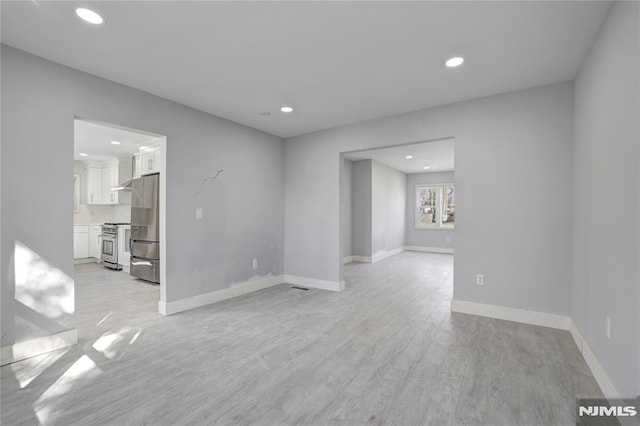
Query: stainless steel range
(109, 249)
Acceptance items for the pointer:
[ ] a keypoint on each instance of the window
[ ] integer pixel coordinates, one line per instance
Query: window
(435, 206)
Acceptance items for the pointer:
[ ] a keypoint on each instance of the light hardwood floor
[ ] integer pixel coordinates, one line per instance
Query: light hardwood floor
(386, 351)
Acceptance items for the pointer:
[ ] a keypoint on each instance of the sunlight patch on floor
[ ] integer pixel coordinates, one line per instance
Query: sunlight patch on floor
(104, 319)
(114, 344)
(84, 368)
(29, 369)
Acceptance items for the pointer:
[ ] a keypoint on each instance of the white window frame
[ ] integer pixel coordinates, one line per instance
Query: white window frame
(416, 213)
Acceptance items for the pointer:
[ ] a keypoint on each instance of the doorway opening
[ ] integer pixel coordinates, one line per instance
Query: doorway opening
(118, 224)
(397, 199)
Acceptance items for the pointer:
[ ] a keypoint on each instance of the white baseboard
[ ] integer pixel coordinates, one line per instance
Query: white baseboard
(383, 255)
(606, 385)
(85, 260)
(169, 308)
(430, 249)
(363, 259)
(524, 316)
(314, 283)
(347, 259)
(37, 346)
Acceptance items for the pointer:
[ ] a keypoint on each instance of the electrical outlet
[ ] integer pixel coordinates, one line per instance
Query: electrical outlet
(448, 239)
(199, 213)
(607, 327)
(480, 279)
(255, 264)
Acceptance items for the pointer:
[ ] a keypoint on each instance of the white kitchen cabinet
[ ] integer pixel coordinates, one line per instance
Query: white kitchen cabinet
(150, 160)
(109, 180)
(80, 241)
(146, 160)
(101, 177)
(124, 235)
(95, 241)
(94, 184)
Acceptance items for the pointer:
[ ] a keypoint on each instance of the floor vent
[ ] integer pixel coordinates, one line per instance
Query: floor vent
(300, 288)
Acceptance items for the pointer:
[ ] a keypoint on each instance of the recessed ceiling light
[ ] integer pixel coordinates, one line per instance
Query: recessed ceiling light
(408, 157)
(286, 108)
(89, 15)
(84, 154)
(265, 113)
(426, 167)
(115, 143)
(456, 61)
(143, 147)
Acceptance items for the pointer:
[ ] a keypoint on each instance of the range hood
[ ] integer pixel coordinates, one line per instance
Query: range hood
(126, 185)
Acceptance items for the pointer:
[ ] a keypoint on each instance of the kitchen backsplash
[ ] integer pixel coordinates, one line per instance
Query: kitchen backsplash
(102, 214)
(122, 213)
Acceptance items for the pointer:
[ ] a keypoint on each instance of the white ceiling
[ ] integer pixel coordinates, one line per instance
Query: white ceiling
(438, 155)
(95, 139)
(336, 62)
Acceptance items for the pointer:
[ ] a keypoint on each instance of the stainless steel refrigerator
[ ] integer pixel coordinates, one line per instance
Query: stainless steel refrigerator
(145, 228)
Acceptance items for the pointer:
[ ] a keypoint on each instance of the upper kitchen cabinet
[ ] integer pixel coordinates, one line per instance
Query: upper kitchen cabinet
(102, 177)
(94, 184)
(110, 180)
(149, 161)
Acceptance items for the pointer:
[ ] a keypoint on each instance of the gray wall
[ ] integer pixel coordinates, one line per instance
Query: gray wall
(361, 208)
(243, 210)
(345, 203)
(378, 203)
(434, 238)
(514, 147)
(388, 208)
(606, 280)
